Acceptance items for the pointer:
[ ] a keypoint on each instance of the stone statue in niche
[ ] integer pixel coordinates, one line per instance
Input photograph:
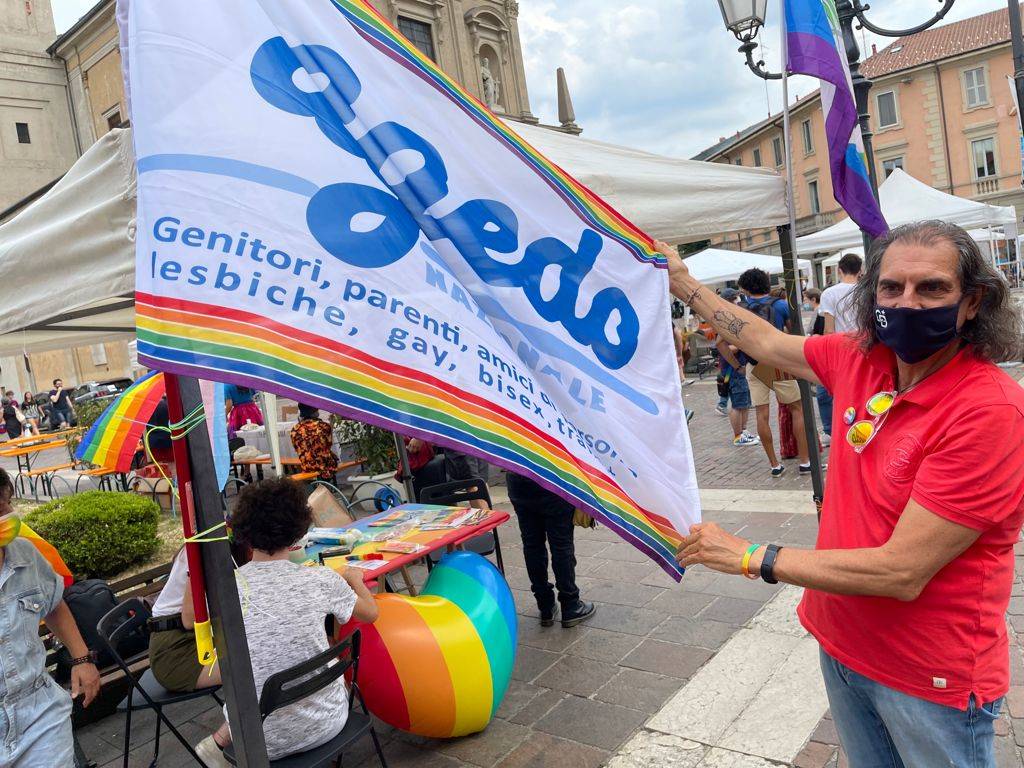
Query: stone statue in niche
(491, 86)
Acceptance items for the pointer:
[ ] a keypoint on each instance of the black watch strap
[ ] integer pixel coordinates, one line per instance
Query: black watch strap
(768, 564)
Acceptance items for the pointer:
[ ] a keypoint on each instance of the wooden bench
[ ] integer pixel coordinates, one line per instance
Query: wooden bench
(105, 476)
(146, 585)
(44, 474)
(303, 477)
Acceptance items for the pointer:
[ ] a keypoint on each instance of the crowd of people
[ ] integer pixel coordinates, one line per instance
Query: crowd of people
(905, 592)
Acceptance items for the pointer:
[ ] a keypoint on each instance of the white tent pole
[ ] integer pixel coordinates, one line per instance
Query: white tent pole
(788, 143)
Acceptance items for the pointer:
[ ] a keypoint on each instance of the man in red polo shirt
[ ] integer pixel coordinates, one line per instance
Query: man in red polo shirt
(909, 582)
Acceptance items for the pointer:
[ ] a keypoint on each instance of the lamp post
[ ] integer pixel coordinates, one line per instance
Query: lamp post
(744, 18)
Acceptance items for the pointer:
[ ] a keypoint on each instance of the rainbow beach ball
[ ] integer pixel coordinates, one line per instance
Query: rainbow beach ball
(438, 665)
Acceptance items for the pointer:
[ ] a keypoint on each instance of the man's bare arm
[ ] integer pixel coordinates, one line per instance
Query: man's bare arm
(830, 323)
(758, 338)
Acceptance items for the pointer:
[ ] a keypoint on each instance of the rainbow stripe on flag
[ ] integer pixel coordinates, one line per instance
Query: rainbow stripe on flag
(208, 341)
(814, 45)
(594, 211)
(112, 441)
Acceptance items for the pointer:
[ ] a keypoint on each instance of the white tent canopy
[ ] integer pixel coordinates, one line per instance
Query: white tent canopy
(995, 235)
(669, 198)
(70, 256)
(905, 200)
(716, 266)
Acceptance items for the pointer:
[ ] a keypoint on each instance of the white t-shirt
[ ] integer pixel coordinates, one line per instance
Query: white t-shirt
(284, 606)
(835, 301)
(168, 602)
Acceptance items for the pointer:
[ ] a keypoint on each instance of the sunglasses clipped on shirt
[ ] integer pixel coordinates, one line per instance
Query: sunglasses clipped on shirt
(862, 432)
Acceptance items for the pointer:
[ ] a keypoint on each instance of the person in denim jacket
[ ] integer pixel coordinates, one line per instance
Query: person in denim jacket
(35, 712)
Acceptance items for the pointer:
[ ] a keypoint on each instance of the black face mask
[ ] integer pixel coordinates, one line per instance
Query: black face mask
(916, 334)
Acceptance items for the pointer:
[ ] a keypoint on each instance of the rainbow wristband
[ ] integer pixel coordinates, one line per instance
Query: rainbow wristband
(746, 561)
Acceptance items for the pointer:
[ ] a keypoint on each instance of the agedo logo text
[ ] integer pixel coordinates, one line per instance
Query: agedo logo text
(473, 227)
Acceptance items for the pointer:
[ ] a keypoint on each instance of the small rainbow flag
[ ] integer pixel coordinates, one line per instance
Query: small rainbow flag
(112, 441)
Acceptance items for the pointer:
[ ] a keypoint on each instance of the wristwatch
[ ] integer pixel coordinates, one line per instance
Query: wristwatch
(89, 658)
(768, 564)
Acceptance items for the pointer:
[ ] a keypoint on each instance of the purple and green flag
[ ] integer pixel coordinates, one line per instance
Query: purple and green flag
(815, 47)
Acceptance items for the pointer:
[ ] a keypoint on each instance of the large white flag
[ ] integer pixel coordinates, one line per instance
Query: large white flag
(325, 215)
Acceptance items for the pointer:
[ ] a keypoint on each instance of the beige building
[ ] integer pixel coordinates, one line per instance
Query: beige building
(941, 109)
(37, 143)
(464, 37)
(472, 40)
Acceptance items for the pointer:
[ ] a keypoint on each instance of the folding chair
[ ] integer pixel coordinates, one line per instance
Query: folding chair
(454, 494)
(146, 692)
(285, 688)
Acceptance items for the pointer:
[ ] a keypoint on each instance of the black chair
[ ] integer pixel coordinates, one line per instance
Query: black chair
(459, 492)
(298, 682)
(146, 692)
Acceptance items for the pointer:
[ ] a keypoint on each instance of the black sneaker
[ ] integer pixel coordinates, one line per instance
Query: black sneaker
(805, 469)
(777, 471)
(580, 613)
(547, 616)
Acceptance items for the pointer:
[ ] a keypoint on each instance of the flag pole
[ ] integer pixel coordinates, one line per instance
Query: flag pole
(788, 145)
(201, 502)
(791, 271)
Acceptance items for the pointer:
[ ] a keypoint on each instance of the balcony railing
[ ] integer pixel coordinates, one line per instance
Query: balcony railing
(816, 221)
(986, 186)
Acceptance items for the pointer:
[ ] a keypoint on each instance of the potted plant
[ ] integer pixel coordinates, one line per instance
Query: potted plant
(375, 447)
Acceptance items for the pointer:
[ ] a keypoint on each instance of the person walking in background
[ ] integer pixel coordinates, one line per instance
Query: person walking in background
(765, 379)
(837, 316)
(682, 357)
(62, 412)
(31, 412)
(546, 521)
(836, 302)
(822, 395)
(313, 440)
(733, 364)
(11, 421)
(240, 403)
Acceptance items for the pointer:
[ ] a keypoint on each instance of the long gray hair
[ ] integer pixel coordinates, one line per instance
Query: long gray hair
(994, 334)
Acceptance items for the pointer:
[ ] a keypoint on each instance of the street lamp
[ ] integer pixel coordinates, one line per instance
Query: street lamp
(744, 18)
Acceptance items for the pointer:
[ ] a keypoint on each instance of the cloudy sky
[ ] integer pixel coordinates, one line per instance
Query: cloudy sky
(661, 75)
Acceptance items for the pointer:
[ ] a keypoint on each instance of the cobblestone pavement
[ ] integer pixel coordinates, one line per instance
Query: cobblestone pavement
(719, 463)
(619, 690)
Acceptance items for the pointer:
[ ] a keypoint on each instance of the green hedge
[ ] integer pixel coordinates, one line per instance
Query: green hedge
(99, 534)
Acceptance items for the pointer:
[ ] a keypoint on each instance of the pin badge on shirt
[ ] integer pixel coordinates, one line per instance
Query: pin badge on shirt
(850, 415)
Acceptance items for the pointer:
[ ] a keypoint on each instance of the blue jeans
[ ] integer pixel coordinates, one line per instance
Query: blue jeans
(825, 409)
(879, 727)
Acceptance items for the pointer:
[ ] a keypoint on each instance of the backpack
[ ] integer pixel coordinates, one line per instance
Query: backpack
(89, 601)
(766, 311)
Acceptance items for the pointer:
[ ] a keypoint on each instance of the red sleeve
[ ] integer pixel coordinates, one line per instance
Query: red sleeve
(975, 474)
(826, 354)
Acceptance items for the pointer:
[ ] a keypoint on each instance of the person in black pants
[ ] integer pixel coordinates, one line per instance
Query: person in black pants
(545, 520)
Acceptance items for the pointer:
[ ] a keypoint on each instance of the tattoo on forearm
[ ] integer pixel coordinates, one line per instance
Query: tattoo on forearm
(693, 296)
(729, 322)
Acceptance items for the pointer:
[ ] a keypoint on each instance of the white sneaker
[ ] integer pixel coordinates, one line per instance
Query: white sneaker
(749, 436)
(826, 440)
(745, 439)
(211, 754)
(721, 411)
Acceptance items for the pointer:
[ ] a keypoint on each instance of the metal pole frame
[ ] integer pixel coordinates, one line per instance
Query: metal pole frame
(200, 496)
(403, 458)
(790, 274)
